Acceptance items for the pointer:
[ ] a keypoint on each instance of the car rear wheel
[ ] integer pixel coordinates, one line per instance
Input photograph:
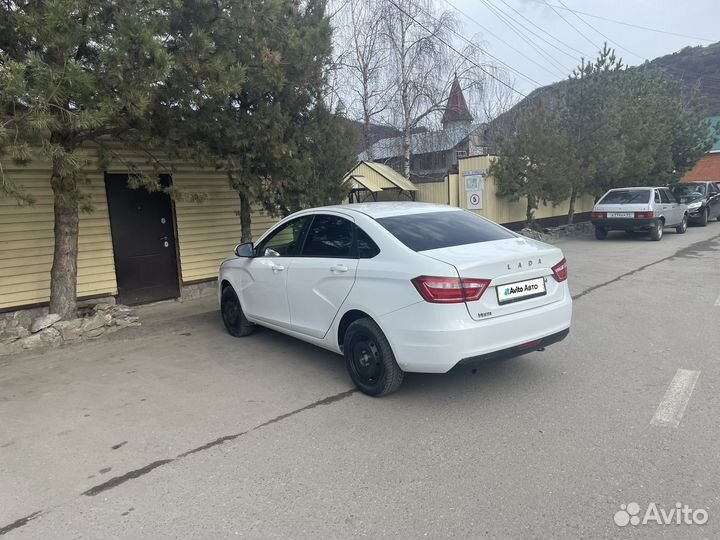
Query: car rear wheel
(600, 232)
(370, 360)
(232, 314)
(656, 232)
(680, 229)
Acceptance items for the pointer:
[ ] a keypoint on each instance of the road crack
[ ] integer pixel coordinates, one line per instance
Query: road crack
(19, 523)
(688, 251)
(118, 480)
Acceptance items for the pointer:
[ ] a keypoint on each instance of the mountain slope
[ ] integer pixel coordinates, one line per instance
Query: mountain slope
(696, 66)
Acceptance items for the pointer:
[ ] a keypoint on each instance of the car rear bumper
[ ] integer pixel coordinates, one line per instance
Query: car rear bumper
(518, 350)
(434, 338)
(623, 224)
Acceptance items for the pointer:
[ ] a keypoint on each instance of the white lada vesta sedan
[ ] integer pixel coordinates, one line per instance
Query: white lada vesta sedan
(398, 287)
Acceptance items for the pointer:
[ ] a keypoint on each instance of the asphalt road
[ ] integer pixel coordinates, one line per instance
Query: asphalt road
(177, 430)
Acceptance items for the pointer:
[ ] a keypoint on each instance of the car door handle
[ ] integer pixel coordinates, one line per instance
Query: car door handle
(338, 268)
(277, 268)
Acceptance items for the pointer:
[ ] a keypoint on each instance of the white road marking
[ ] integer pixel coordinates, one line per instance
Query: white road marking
(672, 407)
(717, 302)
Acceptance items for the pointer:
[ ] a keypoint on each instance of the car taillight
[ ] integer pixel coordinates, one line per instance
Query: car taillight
(445, 290)
(644, 215)
(598, 215)
(560, 270)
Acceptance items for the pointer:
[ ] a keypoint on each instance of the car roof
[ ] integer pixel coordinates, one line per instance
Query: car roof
(631, 188)
(377, 210)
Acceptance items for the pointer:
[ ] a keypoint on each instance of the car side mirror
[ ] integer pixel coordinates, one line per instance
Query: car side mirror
(245, 250)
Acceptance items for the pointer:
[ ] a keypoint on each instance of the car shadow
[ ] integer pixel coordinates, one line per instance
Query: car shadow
(491, 379)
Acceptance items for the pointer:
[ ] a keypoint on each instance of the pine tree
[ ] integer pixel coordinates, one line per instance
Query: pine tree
(537, 164)
(72, 71)
(629, 126)
(252, 104)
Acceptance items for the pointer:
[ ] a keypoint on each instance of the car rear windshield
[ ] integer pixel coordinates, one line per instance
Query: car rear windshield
(433, 230)
(626, 196)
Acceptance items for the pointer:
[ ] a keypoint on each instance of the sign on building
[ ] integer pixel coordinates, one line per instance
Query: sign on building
(475, 187)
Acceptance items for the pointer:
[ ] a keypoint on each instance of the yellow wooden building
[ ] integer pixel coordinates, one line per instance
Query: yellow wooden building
(195, 236)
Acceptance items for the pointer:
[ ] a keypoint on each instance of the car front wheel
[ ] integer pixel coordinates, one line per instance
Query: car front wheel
(680, 229)
(232, 314)
(656, 232)
(705, 218)
(370, 360)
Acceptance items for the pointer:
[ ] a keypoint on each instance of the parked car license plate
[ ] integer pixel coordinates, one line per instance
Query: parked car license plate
(521, 290)
(620, 214)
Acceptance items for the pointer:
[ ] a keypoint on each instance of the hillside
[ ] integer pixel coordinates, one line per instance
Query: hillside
(696, 66)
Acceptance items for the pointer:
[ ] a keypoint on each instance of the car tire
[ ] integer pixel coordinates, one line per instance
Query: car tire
(656, 233)
(600, 232)
(705, 218)
(680, 229)
(232, 314)
(370, 360)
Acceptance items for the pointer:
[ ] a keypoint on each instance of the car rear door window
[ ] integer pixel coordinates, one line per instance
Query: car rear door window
(657, 197)
(433, 230)
(330, 237)
(664, 196)
(366, 248)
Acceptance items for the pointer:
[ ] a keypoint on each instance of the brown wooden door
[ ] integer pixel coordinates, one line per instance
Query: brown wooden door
(143, 236)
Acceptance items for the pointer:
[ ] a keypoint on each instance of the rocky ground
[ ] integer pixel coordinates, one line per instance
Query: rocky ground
(23, 330)
(553, 234)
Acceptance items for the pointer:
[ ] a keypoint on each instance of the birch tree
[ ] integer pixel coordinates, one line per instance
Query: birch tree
(421, 64)
(367, 61)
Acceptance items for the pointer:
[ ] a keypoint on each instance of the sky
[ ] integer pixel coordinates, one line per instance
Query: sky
(564, 36)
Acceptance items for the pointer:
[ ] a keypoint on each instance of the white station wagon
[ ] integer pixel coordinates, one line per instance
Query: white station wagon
(398, 287)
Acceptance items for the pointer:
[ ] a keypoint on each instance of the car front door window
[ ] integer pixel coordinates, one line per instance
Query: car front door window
(284, 242)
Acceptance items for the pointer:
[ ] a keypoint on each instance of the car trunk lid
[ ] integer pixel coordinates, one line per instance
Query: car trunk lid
(628, 209)
(508, 264)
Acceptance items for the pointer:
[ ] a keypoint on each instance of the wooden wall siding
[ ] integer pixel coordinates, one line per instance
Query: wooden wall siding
(26, 242)
(498, 209)
(207, 232)
(261, 222)
(433, 192)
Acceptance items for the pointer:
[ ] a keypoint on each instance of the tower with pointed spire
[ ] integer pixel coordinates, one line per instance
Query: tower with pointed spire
(456, 110)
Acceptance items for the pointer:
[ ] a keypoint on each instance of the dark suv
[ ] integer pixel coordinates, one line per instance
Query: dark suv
(701, 198)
